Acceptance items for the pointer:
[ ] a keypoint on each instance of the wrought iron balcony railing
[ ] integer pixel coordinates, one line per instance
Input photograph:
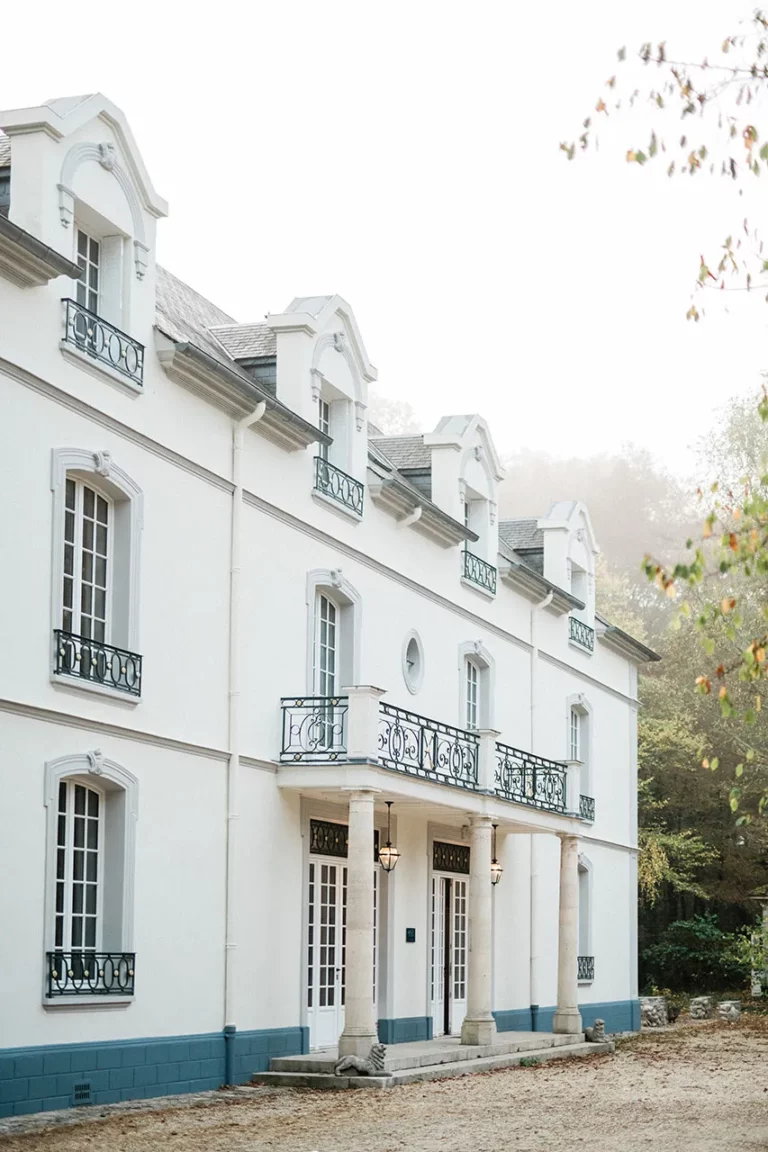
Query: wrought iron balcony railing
(98, 338)
(585, 967)
(90, 973)
(337, 485)
(314, 728)
(581, 634)
(587, 808)
(479, 572)
(527, 779)
(419, 747)
(86, 659)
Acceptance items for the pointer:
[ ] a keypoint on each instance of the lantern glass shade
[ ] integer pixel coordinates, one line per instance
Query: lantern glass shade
(496, 871)
(388, 857)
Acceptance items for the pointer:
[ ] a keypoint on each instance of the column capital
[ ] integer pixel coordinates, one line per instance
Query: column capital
(352, 791)
(481, 820)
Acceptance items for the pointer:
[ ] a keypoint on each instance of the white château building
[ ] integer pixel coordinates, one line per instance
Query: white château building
(255, 649)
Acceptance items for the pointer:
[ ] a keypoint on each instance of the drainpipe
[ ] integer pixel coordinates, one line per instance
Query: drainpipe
(233, 764)
(535, 977)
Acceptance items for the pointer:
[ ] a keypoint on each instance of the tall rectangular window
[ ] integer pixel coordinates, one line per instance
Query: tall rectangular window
(575, 740)
(324, 424)
(473, 696)
(78, 869)
(87, 537)
(326, 652)
(89, 259)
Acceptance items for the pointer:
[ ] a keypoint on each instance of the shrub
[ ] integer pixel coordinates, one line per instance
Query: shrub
(696, 956)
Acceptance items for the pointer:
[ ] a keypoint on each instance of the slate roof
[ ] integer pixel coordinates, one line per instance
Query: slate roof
(522, 535)
(247, 341)
(405, 452)
(5, 150)
(186, 316)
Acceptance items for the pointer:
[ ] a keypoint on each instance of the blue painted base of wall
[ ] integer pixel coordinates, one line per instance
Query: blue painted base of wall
(404, 1028)
(42, 1079)
(619, 1016)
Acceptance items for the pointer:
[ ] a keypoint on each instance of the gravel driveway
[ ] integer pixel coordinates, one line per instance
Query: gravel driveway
(693, 1087)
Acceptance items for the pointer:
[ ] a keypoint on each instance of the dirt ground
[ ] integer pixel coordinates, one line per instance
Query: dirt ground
(702, 1088)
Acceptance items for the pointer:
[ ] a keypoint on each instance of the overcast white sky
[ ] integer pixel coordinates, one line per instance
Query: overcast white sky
(405, 155)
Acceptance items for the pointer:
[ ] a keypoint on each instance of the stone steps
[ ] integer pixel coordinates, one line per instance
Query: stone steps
(416, 1055)
(458, 1066)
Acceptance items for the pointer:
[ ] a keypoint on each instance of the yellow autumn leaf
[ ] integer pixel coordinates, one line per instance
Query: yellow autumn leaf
(707, 531)
(760, 655)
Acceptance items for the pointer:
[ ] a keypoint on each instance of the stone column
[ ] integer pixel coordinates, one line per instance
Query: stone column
(479, 1026)
(567, 1017)
(359, 1018)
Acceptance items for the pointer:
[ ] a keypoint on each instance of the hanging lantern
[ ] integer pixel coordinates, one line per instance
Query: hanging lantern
(388, 855)
(496, 868)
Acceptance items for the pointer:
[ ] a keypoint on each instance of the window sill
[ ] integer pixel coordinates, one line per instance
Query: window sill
(580, 648)
(100, 371)
(77, 685)
(86, 1002)
(585, 983)
(478, 588)
(335, 506)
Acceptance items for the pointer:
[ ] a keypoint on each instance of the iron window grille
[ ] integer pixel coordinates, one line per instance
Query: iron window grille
(585, 967)
(99, 339)
(86, 659)
(581, 634)
(528, 779)
(450, 857)
(314, 728)
(587, 808)
(329, 839)
(479, 572)
(419, 747)
(85, 973)
(330, 481)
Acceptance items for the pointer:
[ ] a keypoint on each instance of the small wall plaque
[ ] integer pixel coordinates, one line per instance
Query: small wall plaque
(410, 935)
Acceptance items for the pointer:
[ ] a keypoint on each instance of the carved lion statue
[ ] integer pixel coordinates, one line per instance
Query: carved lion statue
(371, 1065)
(595, 1034)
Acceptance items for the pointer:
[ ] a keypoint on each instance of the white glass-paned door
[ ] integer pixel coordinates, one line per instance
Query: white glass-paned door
(448, 954)
(87, 541)
(326, 647)
(473, 696)
(77, 916)
(327, 949)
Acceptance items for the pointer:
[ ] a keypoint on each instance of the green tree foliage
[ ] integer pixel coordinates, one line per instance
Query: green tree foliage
(696, 956)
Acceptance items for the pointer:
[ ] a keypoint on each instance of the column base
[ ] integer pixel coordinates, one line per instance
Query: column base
(567, 1021)
(357, 1045)
(481, 1030)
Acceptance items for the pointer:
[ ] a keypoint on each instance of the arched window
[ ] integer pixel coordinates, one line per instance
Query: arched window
(326, 657)
(586, 955)
(579, 738)
(91, 817)
(97, 510)
(472, 721)
(333, 632)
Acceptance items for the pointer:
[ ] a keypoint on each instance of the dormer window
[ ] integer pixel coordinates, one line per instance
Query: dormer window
(476, 568)
(89, 259)
(332, 479)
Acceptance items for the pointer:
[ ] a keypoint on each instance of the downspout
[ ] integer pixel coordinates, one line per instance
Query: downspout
(534, 976)
(233, 764)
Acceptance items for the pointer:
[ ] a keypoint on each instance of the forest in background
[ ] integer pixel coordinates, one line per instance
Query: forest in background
(699, 869)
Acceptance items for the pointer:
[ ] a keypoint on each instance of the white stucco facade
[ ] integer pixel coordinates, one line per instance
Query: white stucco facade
(249, 559)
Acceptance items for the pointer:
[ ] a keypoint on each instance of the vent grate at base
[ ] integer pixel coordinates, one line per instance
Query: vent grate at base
(81, 1093)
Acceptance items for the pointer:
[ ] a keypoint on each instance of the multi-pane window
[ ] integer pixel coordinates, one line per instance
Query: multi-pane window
(473, 696)
(326, 647)
(88, 257)
(459, 939)
(87, 536)
(78, 845)
(324, 423)
(575, 735)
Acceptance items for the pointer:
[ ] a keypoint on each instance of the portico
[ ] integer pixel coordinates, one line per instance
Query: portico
(361, 921)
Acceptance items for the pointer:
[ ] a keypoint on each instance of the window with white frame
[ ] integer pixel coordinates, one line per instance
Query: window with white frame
(473, 696)
(574, 751)
(92, 806)
(585, 918)
(324, 424)
(326, 659)
(87, 539)
(78, 868)
(89, 259)
(97, 517)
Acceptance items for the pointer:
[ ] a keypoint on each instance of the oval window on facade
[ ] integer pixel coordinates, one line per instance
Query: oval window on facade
(413, 662)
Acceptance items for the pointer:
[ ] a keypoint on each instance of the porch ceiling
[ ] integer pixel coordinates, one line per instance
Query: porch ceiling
(435, 802)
